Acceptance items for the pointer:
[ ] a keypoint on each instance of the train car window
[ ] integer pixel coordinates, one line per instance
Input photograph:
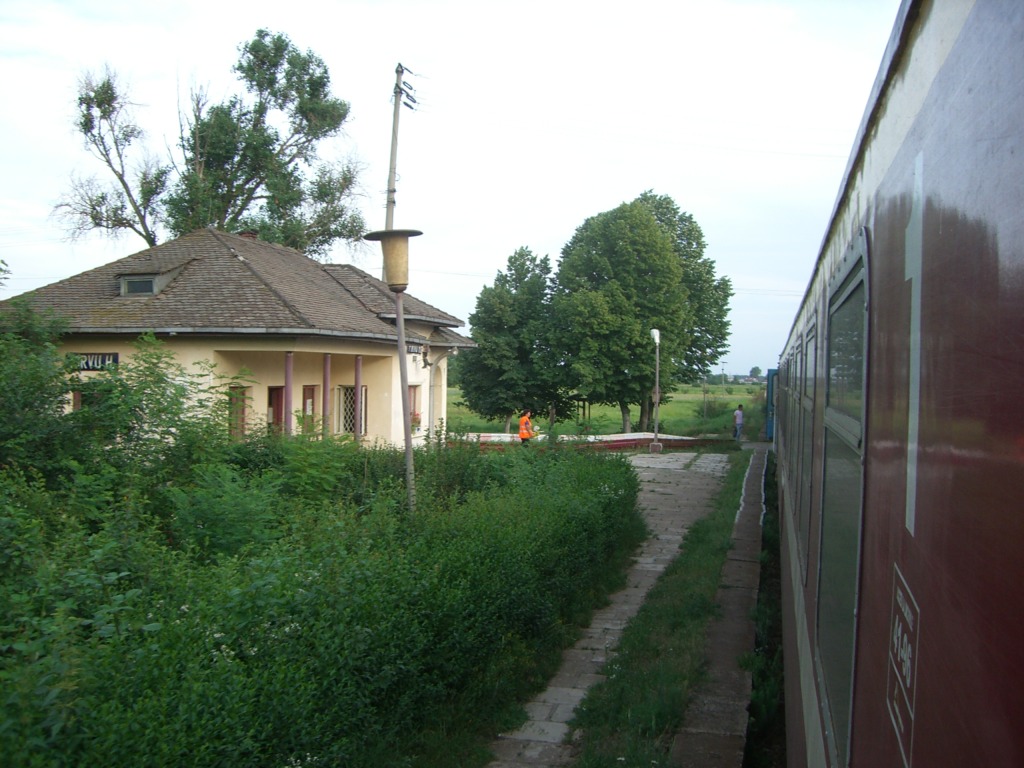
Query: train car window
(809, 369)
(780, 415)
(842, 490)
(782, 430)
(798, 374)
(837, 590)
(794, 423)
(806, 448)
(780, 406)
(846, 359)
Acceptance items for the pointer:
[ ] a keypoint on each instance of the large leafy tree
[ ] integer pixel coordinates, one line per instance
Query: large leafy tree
(245, 160)
(248, 163)
(624, 272)
(514, 366)
(707, 296)
(618, 278)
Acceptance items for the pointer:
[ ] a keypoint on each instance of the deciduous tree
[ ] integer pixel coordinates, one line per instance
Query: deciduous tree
(619, 276)
(514, 366)
(133, 200)
(248, 163)
(707, 296)
(624, 272)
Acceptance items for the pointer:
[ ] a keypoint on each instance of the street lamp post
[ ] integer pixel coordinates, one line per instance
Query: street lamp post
(395, 244)
(656, 335)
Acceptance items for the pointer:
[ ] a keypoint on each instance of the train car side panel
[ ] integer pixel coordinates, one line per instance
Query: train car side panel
(904, 592)
(942, 605)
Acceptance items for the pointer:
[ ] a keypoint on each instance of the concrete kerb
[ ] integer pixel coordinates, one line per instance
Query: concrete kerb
(676, 491)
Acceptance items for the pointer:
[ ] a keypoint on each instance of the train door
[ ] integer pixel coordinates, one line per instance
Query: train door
(769, 421)
(842, 495)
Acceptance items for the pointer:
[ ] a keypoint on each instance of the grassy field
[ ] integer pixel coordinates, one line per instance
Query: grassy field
(687, 412)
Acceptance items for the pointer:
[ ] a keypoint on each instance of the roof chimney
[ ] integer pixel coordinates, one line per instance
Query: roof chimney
(249, 234)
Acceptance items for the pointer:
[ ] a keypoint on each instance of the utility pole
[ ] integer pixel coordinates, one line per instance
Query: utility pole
(402, 95)
(396, 274)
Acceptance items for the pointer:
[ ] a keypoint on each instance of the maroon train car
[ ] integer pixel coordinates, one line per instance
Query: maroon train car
(900, 417)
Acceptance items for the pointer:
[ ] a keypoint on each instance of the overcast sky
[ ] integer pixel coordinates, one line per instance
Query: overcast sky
(533, 116)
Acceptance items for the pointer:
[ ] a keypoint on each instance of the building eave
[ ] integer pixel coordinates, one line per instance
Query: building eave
(214, 331)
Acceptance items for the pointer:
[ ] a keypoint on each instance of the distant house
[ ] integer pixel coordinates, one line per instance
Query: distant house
(318, 340)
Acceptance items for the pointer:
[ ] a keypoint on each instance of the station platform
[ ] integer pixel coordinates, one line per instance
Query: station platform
(676, 491)
(623, 441)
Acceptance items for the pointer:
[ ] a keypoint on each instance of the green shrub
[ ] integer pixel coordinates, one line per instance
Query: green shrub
(274, 626)
(222, 510)
(168, 596)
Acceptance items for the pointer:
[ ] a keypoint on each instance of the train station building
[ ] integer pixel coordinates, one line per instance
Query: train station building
(307, 346)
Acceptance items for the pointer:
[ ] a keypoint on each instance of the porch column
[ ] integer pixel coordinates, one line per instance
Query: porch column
(436, 394)
(325, 409)
(288, 416)
(359, 397)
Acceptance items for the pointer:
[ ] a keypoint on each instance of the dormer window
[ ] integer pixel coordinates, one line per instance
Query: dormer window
(138, 286)
(144, 283)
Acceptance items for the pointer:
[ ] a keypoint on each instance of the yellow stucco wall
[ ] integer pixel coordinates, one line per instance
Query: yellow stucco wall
(264, 358)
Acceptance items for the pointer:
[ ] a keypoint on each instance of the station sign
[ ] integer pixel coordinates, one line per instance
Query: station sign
(96, 361)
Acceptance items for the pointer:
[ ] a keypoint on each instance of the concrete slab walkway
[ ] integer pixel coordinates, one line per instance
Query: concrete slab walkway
(676, 490)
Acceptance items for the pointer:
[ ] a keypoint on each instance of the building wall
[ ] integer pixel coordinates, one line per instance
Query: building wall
(263, 359)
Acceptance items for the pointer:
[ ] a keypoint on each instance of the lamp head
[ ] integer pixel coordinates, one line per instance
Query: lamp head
(395, 245)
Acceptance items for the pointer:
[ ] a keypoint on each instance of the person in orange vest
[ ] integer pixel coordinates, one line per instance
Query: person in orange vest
(526, 427)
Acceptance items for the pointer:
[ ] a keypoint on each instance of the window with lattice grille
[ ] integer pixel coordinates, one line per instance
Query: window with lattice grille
(347, 410)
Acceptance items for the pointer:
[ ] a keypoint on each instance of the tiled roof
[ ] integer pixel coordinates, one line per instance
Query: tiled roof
(228, 283)
(445, 337)
(377, 297)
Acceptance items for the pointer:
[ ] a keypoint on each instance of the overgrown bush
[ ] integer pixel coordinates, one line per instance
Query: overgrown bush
(170, 597)
(349, 631)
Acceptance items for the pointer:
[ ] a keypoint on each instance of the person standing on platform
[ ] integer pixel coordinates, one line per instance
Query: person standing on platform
(526, 427)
